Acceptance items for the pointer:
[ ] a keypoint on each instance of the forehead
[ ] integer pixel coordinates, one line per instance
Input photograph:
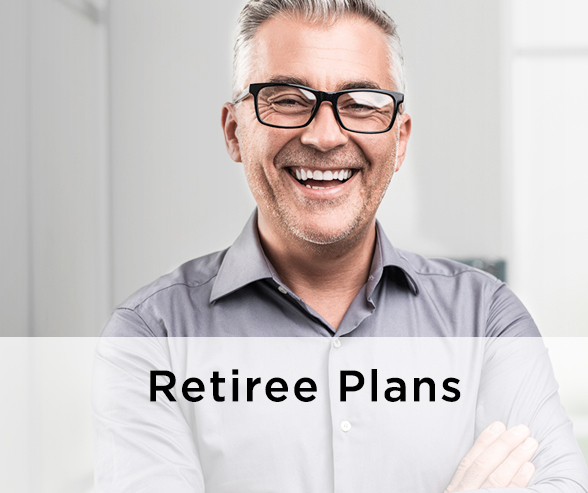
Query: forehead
(328, 57)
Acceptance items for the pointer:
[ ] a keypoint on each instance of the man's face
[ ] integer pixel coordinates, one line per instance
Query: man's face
(350, 53)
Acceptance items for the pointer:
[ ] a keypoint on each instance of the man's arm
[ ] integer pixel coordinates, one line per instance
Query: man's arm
(139, 445)
(518, 386)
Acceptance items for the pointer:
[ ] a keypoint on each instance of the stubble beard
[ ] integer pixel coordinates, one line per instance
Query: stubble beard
(339, 240)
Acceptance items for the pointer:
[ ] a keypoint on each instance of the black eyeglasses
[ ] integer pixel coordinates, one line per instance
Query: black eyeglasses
(366, 111)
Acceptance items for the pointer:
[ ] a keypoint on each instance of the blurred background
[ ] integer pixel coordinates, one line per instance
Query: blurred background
(114, 170)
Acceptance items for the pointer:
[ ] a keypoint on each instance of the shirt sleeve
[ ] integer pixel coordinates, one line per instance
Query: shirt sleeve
(139, 445)
(507, 316)
(518, 386)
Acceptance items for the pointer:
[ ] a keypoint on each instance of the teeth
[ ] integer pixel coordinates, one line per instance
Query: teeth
(303, 175)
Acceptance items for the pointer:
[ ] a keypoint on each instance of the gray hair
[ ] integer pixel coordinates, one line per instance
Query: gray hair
(256, 12)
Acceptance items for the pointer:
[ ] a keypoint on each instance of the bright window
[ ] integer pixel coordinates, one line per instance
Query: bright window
(549, 162)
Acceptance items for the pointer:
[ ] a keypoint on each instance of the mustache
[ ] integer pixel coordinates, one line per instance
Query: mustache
(308, 157)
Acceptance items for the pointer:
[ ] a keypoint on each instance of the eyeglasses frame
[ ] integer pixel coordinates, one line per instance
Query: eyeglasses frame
(321, 96)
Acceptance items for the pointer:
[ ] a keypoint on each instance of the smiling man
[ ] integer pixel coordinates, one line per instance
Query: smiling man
(318, 121)
(318, 163)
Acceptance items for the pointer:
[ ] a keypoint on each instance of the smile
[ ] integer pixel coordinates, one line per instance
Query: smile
(327, 179)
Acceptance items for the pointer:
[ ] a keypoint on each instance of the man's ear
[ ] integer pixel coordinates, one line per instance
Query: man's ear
(229, 124)
(405, 129)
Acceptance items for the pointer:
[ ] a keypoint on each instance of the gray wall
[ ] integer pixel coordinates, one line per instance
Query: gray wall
(53, 152)
(14, 194)
(176, 194)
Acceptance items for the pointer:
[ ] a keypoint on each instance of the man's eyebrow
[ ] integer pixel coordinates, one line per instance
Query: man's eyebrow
(282, 79)
(359, 84)
(356, 84)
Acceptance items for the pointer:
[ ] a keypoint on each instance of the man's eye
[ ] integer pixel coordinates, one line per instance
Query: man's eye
(357, 108)
(290, 102)
(287, 102)
(360, 107)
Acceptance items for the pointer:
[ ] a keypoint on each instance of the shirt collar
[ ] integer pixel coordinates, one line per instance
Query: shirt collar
(245, 262)
(389, 259)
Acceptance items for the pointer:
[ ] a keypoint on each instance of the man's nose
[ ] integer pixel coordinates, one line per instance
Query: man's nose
(324, 132)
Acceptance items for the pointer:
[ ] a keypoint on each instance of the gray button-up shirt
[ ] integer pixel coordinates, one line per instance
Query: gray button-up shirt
(220, 310)
(237, 292)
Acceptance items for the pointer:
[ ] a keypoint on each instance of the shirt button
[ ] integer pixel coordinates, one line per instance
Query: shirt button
(337, 343)
(282, 290)
(345, 426)
(371, 278)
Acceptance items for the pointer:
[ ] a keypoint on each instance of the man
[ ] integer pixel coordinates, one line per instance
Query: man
(319, 124)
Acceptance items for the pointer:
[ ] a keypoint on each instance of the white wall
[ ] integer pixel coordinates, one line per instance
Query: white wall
(176, 194)
(549, 58)
(447, 198)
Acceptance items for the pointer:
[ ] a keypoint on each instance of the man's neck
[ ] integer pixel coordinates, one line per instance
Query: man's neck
(326, 277)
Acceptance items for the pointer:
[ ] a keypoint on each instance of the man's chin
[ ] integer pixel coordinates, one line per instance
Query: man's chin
(322, 234)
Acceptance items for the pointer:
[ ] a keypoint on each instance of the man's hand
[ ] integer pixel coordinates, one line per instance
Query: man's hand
(498, 459)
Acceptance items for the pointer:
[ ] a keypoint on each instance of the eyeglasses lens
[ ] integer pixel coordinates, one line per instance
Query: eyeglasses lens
(362, 111)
